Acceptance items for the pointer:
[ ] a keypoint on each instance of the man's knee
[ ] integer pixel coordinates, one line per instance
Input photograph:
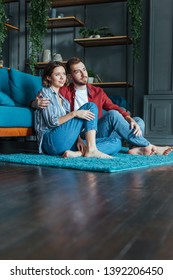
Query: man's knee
(113, 114)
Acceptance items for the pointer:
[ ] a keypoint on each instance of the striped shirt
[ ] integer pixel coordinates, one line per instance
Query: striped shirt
(47, 119)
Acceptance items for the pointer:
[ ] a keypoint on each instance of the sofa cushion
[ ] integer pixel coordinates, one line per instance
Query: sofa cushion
(4, 81)
(16, 117)
(24, 87)
(5, 100)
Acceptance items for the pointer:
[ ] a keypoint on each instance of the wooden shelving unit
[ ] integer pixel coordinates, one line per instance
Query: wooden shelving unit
(105, 41)
(72, 21)
(64, 22)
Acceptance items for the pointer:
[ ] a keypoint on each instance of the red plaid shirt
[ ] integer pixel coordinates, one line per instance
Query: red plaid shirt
(95, 95)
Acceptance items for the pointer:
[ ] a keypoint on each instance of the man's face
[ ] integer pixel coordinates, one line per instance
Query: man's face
(79, 74)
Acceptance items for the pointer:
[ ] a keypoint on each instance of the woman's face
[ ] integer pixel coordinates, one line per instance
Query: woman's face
(58, 77)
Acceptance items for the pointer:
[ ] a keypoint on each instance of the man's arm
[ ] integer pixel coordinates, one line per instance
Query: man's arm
(109, 105)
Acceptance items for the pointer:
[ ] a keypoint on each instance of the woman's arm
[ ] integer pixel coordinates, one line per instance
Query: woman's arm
(81, 114)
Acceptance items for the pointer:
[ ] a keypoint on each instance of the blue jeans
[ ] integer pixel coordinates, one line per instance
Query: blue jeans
(113, 124)
(64, 137)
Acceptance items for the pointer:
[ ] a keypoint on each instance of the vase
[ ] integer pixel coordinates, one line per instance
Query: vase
(46, 55)
(1, 63)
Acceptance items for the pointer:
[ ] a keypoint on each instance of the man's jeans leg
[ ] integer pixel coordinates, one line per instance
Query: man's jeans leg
(114, 124)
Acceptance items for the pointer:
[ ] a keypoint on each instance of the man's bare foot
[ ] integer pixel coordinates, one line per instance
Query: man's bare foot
(147, 151)
(71, 154)
(151, 150)
(166, 150)
(96, 154)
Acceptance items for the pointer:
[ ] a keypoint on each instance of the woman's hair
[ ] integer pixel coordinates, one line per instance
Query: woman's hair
(72, 61)
(48, 70)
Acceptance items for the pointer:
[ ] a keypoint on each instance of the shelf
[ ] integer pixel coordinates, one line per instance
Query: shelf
(113, 85)
(64, 22)
(9, 26)
(104, 41)
(65, 3)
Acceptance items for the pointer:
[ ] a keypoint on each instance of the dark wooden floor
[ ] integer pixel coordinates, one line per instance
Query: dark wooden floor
(50, 213)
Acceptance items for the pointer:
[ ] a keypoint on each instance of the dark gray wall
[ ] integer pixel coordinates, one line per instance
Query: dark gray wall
(108, 62)
(158, 105)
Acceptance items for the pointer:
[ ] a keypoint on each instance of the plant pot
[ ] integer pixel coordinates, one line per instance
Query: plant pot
(90, 80)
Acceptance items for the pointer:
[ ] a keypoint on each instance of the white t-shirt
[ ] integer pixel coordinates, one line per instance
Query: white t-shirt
(81, 98)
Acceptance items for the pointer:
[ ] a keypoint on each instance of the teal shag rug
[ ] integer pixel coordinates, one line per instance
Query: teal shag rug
(121, 162)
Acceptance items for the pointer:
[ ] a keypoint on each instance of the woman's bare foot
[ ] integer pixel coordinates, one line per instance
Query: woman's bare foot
(71, 154)
(96, 154)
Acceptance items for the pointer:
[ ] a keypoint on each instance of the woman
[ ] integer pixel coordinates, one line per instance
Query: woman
(58, 129)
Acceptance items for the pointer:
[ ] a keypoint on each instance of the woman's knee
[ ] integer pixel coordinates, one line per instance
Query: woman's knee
(91, 106)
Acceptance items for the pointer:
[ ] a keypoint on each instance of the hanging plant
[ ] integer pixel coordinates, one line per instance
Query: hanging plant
(38, 22)
(135, 12)
(3, 28)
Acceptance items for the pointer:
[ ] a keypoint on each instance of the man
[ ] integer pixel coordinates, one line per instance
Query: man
(115, 122)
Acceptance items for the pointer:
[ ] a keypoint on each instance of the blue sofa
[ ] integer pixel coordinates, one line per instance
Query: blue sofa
(17, 89)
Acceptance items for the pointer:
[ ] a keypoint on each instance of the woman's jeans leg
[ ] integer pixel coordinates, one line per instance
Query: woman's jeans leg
(63, 137)
(113, 124)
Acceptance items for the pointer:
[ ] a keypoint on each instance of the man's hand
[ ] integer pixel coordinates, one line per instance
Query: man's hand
(40, 102)
(136, 128)
(133, 125)
(81, 145)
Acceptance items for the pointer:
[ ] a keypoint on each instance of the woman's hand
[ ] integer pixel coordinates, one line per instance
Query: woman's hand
(84, 114)
(81, 145)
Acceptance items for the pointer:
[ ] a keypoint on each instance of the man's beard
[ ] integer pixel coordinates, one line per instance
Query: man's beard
(82, 82)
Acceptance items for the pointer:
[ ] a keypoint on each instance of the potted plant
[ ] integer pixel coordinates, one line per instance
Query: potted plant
(3, 28)
(135, 12)
(38, 22)
(85, 32)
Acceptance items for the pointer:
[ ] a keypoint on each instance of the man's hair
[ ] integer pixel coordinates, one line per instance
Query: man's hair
(72, 61)
(48, 70)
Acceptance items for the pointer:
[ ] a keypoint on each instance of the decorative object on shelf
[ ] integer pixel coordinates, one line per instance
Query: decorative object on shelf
(38, 23)
(53, 13)
(3, 28)
(46, 55)
(61, 15)
(102, 31)
(97, 79)
(135, 12)
(57, 57)
(1, 63)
